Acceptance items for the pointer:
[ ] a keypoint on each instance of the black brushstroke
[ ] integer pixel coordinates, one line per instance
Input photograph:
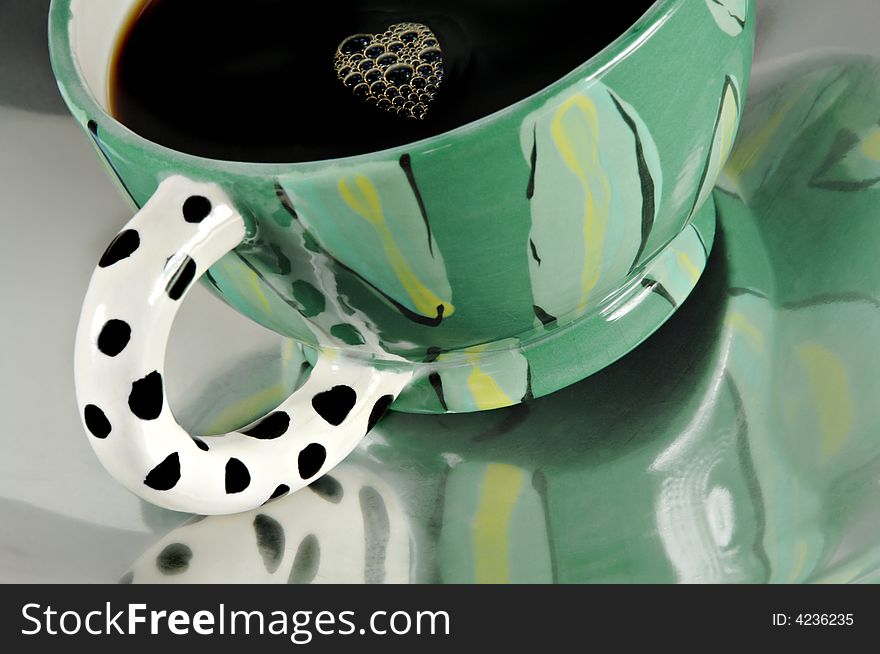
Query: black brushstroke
(645, 178)
(406, 165)
(706, 249)
(437, 385)
(543, 316)
(844, 142)
(659, 289)
(740, 21)
(93, 129)
(728, 85)
(433, 321)
(534, 250)
(432, 354)
(285, 200)
(529, 394)
(533, 165)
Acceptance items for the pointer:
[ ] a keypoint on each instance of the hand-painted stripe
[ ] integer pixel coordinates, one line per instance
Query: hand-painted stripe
(491, 528)
(645, 178)
(406, 165)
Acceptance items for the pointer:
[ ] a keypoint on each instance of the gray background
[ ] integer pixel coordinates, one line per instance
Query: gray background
(61, 516)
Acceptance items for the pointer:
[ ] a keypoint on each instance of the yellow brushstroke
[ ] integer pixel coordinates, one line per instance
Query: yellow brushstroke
(800, 560)
(232, 416)
(365, 201)
(287, 351)
(688, 266)
(871, 145)
(498, 495)
(750, 149)
(738, 322)
(484, 389)
(729, 118)
(829, 381)
(252, 281)
(575, 131)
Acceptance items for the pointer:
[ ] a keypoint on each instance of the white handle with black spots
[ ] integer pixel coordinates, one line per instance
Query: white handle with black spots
(127, 314)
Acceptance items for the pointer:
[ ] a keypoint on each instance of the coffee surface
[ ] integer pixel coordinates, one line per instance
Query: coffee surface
(258, 80)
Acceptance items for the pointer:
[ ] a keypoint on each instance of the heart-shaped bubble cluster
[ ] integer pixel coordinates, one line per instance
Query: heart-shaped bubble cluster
(398, 71)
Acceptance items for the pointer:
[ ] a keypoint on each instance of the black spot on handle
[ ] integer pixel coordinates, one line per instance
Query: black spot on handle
(328, 488)
(96, 421)
(202, 445)
(181, 279)
(114, 336)
(122, 247)
(283, 489)
(145, 399)
(165, 475)
(237, 476)
(270, 541)
(196, 209)
(334, 405)
(310, 460)
(272, 426)
(379, 409)
(174, 559)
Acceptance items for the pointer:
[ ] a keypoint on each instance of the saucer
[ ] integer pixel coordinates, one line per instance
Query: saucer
(736, 445)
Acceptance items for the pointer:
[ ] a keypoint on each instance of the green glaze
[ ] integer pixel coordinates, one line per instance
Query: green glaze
(509, 257)
(737, 444)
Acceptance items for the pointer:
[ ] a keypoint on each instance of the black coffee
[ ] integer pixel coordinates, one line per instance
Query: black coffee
(267, 80)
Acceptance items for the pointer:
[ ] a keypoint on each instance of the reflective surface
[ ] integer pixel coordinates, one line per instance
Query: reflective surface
(739, 443)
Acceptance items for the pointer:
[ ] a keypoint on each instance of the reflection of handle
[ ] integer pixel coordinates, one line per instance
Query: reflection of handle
(126, 319)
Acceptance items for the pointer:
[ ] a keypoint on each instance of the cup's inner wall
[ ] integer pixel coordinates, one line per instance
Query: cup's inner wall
(95, 31)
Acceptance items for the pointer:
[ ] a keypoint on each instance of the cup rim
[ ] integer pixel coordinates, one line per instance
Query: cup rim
(77, 93)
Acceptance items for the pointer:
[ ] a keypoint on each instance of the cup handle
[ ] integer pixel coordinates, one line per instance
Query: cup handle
(126, 319)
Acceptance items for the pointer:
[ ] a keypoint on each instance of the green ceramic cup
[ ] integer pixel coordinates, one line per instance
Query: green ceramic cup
(500, 261)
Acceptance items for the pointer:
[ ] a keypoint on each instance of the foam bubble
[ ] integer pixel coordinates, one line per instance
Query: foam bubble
(398, 71)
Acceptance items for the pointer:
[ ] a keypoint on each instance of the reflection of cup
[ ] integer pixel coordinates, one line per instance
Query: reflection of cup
(387, 266)
(351, 528)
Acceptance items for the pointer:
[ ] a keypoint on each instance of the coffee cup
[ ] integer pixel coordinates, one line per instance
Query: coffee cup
(472, 270)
